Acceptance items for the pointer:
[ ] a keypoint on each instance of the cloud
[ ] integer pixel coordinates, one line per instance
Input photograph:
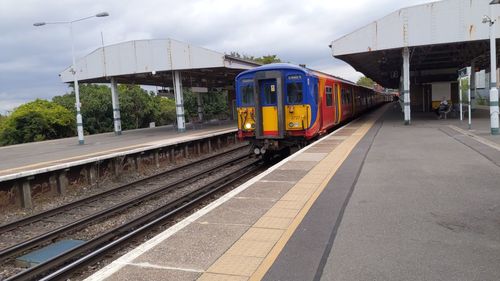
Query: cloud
(297, 31)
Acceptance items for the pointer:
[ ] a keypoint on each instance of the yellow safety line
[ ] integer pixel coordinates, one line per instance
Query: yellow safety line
(343, 150)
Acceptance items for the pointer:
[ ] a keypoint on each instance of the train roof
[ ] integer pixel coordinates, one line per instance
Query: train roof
(289, 66)
(274, 66)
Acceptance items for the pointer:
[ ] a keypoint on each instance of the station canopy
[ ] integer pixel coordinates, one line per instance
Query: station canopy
(442, 37)
(153, 62)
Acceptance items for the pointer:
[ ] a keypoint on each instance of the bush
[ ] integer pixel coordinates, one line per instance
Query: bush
(35, 121)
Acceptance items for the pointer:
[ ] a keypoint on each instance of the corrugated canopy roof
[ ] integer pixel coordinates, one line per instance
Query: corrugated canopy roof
(442, 36)
(151, 62)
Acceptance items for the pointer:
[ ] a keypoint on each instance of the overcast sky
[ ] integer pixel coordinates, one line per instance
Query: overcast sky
(297, 31)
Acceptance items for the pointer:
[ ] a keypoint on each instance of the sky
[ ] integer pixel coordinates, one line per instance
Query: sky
(296, 31)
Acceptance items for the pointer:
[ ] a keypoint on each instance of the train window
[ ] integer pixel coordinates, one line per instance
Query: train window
(329, 99)
(247, 94)
(294, 93)
(344, 96)
(270, 94)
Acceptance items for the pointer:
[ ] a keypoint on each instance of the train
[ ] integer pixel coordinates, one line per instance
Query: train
(282, 105)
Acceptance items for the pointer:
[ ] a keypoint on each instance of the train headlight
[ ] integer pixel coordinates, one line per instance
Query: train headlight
(248, 126)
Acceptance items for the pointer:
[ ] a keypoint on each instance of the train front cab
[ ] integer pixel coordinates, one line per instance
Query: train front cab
(284, 107)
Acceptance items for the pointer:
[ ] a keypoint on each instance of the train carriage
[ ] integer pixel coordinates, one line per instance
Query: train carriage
(283, 105)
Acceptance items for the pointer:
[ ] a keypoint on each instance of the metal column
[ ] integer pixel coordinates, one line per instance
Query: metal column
(460, 97)
(116, 108)
(406, 84)
(200, 106)
(493, 82)
(468, 99)
(179, 102)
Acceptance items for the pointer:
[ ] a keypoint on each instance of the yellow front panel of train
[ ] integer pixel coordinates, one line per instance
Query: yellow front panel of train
(270, 120)
(246, 118)
(297, 117)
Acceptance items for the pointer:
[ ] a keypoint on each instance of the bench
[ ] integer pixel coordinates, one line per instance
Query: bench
(446, 112)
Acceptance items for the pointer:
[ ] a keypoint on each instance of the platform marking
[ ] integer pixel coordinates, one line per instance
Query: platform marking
(149, 265)
(287, 218)
(476, 137)
(336, 157)
(119, 263)
(271, 181)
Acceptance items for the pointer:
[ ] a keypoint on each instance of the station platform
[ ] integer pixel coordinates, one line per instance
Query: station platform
(375, 200)
(38, 155)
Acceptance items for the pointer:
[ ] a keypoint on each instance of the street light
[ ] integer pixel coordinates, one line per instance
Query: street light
(79, 120)
(493, 72)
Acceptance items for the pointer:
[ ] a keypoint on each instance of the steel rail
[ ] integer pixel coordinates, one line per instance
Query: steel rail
(100, 246)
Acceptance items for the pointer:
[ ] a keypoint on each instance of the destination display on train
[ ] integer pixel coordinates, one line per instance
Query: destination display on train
(294, 77)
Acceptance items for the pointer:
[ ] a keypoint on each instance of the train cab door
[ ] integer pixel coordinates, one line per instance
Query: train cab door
(336, 103)
(270, 106)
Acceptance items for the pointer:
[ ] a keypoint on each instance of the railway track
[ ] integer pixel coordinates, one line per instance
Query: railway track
(112, 192)
(150, 204)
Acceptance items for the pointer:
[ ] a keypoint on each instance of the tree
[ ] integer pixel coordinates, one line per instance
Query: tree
(268, 59)
(166, 113)
(263, 60)
(96, 109)
(138, 107)
(35, 121)
(366, 82)
(214, 104)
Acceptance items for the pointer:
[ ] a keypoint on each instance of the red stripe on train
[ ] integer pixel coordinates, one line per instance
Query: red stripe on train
(270, 133)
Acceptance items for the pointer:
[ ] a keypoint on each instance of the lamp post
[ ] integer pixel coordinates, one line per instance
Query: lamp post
(79, 120)
(493, 72)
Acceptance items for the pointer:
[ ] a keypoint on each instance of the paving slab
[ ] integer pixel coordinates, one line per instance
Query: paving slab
(239, 211)
(190, 250)
(320, 149)
(269, 190)
(286, 175)
(298, 165)
(147, 272)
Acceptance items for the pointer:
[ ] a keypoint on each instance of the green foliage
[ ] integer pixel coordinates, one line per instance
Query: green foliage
(96, 107)
(214, 104)
(268, 59)
(263, 60)
(464, 86)
(167, 111)
(137, 107)
(35, 121)
(41, 119)
(366, 82)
